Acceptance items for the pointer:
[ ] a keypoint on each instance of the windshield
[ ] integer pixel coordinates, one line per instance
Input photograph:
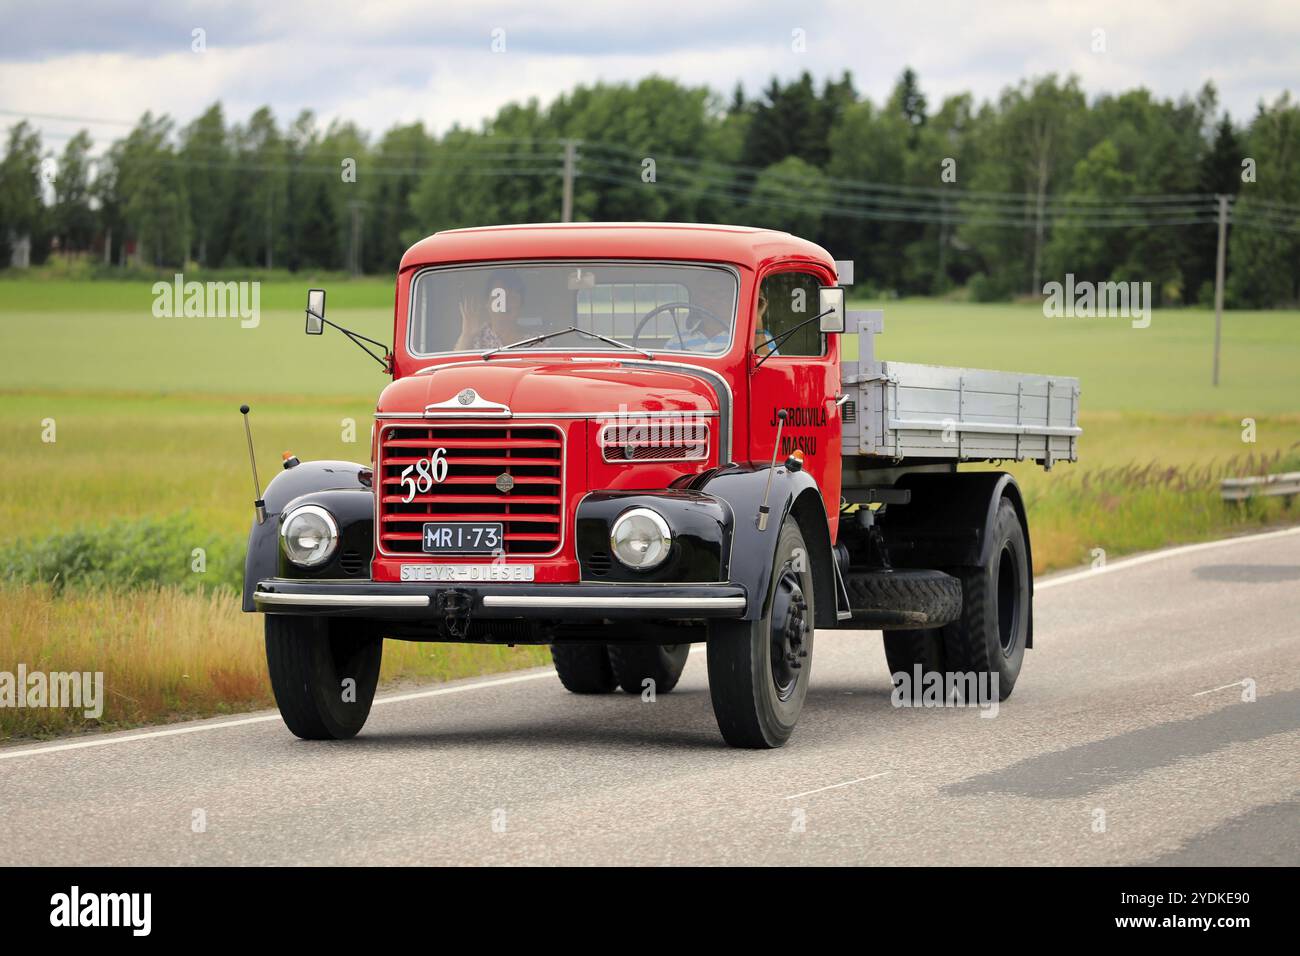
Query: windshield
(656, 307)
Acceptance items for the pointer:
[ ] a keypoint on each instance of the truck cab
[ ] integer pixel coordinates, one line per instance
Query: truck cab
(620, 440)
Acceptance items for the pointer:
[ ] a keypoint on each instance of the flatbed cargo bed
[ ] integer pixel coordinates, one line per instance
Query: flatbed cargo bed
(902, 410)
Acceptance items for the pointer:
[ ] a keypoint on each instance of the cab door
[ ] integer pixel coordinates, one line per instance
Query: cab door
(800, 376)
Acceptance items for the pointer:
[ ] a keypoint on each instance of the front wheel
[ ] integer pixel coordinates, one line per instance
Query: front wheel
(990, 637)
(759, 670)
(324, 672)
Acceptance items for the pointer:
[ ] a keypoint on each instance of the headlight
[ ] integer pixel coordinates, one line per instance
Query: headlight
(310, 535)
(640, 538)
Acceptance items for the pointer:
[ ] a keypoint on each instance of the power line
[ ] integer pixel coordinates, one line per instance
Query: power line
(733, 183)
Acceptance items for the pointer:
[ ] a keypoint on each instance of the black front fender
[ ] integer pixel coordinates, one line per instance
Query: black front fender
(753, 551)
(343, 487)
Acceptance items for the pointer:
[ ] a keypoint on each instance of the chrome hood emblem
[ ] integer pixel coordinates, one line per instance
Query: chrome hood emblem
(468, 400)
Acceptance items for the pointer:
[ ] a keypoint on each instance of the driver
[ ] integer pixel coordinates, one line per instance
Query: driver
(697, 339)
(493, 321)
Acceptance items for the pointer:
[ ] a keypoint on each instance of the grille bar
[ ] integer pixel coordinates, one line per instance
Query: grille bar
(477, 456)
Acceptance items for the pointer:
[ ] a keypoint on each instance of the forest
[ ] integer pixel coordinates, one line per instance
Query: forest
(984, 199)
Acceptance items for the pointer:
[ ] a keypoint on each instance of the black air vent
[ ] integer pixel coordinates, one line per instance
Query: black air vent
(352, 562)
(598, 563)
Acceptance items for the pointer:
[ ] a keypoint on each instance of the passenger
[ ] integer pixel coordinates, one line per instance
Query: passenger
(493, 322)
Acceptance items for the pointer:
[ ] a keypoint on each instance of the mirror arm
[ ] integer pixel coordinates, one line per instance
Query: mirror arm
(385, 359)
(776, 342)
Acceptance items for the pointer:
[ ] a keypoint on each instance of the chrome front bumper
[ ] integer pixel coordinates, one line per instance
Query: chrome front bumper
(412, 602)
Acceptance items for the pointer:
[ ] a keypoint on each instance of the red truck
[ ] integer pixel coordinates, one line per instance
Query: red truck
(623, 439)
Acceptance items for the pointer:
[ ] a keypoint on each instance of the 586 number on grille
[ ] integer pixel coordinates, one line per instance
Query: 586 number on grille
(420, 477)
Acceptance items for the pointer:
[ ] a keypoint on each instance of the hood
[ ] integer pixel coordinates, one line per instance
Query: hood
(553, 386)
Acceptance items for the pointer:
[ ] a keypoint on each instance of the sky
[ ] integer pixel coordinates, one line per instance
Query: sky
(382, 63)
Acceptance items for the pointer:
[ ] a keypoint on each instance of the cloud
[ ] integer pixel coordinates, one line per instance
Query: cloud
(383, 63)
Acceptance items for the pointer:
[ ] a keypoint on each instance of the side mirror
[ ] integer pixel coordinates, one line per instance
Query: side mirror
(316, 311)
(831, 307)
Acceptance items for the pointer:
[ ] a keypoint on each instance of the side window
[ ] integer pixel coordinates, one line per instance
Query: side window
(785, 300)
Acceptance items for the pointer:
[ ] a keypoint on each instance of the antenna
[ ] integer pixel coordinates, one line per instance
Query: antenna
(776, 450)
(259, 506)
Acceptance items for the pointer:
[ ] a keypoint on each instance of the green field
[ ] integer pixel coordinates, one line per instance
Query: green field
(101, 337)
(146, 424)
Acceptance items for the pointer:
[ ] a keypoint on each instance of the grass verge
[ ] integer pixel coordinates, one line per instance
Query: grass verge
(170, 654)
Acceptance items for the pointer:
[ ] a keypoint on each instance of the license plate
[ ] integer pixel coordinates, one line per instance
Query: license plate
(462, 537)
(467, 572)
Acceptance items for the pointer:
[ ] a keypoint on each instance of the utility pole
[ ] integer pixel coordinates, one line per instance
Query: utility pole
(566, 203)
(1218, 281)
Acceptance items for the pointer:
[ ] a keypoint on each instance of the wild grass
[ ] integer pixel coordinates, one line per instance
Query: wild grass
(1120, 509)
(126, 554)
(170, 654)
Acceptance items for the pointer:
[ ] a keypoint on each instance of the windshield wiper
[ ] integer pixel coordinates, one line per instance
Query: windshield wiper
(550, 335)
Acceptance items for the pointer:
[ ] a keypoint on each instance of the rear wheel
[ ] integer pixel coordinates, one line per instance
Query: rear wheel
(634, 664)
(759, 670)
(584, 668)
(991, 634)
(324, 672)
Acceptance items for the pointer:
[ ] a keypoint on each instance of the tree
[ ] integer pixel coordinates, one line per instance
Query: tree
(22, 210)
(261, 192)
(1028, 142)
(908, 101)
(790, 195)
(209, 174)
(151, 188)
(1076, 246)
(392, 175)
(74, 220)
(1264, 255)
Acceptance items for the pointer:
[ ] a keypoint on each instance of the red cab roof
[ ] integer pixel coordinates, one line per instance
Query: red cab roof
(738, 245)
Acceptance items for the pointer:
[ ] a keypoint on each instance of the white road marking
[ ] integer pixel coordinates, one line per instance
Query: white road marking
(1124, 563)
(836, 786)
(1213, 690)
(14, 753)
(262, 718)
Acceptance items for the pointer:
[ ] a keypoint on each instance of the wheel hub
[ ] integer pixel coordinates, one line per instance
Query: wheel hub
(788, 630)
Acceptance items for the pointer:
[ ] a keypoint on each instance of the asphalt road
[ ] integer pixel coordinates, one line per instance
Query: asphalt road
(1126, 741)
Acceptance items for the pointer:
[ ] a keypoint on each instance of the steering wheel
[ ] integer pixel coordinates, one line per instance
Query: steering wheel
(705, 315)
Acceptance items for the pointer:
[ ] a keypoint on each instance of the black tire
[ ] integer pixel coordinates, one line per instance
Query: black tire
(583, 668)
(991, 634)
(905, 649)
(634, 664)
(903, 598)
(309, 659)
(758, 679)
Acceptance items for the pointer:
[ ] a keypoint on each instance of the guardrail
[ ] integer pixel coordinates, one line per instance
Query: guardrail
(1286, 484)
